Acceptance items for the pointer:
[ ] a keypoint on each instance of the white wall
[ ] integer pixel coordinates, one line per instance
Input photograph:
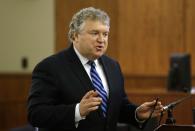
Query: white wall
(26, 30)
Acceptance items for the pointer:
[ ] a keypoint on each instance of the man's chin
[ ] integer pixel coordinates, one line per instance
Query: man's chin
(96, 56)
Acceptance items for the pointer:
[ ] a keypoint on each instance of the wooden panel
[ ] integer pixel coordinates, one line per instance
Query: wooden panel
(148, 32)
(142, 82)
(13, 98)
(66, 9)
(190, 30)
(146, 83)
(13, 115)
(14, 88)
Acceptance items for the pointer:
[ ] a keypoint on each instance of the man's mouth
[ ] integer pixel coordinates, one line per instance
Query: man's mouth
(99, 47)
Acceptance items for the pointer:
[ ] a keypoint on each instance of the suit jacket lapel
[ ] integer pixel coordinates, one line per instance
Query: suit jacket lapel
(108, 72)
(78, 69)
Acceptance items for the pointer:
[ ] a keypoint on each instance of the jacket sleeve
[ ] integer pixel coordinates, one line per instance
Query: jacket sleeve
(127, 109)
(44, 109)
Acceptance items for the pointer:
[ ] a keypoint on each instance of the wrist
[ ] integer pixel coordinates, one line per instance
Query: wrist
(78, 115)
(138, 117)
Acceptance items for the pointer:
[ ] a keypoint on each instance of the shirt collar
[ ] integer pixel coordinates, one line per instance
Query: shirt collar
(83, 59)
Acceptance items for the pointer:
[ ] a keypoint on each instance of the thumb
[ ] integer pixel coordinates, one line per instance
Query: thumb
(149, 104)
(88, 94)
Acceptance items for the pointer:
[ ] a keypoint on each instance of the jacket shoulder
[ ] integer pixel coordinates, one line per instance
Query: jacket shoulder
(50, 61)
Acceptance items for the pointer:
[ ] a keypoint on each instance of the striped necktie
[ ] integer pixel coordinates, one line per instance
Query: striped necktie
(97, 83)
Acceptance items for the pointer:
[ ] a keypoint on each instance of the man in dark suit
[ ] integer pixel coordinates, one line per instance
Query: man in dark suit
(80, 88)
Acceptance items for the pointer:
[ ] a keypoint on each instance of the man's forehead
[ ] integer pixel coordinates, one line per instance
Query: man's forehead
(95, 25)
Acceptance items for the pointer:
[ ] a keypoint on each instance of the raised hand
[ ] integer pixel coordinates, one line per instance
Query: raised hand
(90, 102)
(144, 110)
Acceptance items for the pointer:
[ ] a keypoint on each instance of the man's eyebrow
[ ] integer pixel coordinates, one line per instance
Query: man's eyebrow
(99, 31)
(94, 30)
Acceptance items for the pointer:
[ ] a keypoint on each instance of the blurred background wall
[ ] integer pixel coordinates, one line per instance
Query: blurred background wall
(27, 30)
(143, 35)
(27, 35)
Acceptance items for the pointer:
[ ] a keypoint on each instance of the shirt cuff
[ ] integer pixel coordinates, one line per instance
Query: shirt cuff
(77, 115)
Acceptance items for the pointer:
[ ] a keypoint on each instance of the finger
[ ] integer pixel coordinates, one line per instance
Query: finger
(88, 94)
(97, 99)
(95, 94)
(93, 108)
(159, 103)
(157, 112)
(92, 104)
(159, 107)
(150, 104)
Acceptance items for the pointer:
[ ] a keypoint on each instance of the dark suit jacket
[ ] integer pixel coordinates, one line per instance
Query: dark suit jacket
(60, 81)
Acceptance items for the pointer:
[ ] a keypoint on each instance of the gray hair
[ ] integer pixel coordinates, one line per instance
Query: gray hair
(80, 17)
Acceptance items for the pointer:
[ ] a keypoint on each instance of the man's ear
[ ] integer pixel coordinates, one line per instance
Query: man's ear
(75, 37)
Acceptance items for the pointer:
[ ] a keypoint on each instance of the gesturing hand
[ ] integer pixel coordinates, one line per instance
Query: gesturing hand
(144, 110)
(90, 102)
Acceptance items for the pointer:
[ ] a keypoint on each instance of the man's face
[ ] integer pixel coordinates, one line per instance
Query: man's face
(92, 40)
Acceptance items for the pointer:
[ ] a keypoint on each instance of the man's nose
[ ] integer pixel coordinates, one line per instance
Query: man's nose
(100, 38)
